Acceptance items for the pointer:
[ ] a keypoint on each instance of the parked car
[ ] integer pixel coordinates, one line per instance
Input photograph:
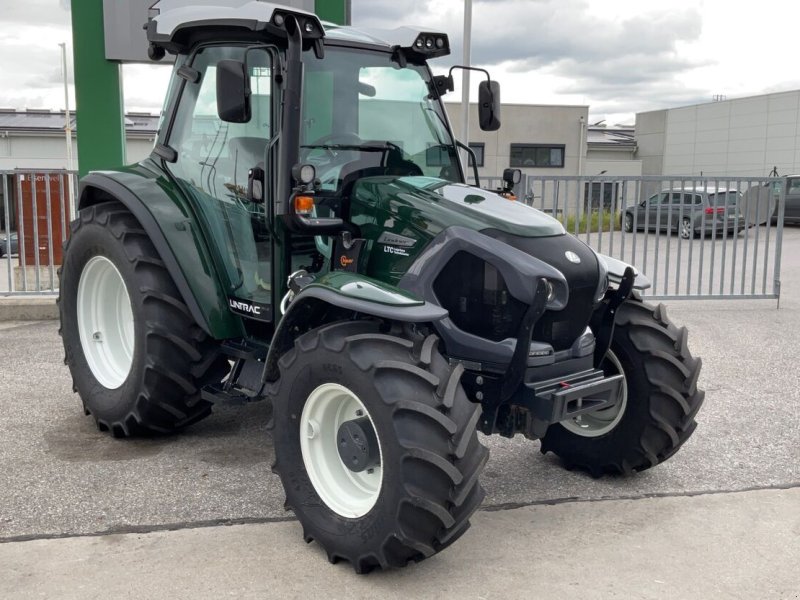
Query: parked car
(9, 246)
(688, 212)
(791, 214)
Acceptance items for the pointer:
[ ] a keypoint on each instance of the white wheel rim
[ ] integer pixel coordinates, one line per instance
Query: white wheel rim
(602, 421)
(345, 492)
(105, 322)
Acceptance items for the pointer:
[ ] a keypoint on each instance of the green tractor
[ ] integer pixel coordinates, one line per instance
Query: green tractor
(303, 233)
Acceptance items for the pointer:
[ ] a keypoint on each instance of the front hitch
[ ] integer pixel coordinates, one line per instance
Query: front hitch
(602, 323)
(494, 392)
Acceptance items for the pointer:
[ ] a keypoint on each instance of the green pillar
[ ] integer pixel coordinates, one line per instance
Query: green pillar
(335, 11)
(98, 92)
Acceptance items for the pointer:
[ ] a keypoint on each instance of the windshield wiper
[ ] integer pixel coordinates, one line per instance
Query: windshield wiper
(365, 147)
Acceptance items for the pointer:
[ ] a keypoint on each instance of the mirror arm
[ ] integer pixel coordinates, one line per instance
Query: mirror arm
(484, 71)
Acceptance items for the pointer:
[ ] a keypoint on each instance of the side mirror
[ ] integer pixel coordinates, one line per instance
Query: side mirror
(233, 91)
(255, 185)
(489, 105)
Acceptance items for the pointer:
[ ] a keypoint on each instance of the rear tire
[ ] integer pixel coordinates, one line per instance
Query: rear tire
(425, 427)
(662, 399)
(687, 230)
(165, 356)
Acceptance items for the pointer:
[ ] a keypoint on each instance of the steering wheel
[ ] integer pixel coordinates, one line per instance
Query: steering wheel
(345, 138)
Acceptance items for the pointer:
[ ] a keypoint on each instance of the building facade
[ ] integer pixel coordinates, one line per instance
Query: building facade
(746, 137)
(548, 140)
(35, 139)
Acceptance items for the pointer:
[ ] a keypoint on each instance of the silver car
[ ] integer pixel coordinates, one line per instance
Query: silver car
(791, 214)
(705, 211)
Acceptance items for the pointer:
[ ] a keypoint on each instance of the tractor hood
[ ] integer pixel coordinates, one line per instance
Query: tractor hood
(429, 205)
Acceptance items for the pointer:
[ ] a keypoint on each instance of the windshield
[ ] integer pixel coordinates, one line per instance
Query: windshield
(363, 115)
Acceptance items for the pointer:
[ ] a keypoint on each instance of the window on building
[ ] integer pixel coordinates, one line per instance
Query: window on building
(477, 148)
(537, 155)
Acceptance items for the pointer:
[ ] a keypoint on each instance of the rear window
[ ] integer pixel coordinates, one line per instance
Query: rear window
(723, 198)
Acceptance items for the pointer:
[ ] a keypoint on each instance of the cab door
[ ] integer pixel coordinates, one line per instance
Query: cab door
(214, 158)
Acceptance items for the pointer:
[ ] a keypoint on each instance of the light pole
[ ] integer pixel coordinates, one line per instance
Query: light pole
(465, 80)
(67, 127)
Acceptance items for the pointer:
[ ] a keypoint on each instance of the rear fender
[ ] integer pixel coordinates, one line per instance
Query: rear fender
(174, 231)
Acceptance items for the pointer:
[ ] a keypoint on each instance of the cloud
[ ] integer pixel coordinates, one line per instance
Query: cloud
(550, 31)
(557, 51)
(385, 14)
(607, 61)
(35, 12)
(17, 101)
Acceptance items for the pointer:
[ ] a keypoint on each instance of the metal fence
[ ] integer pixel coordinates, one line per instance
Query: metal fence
(36, 207)
(694, 237)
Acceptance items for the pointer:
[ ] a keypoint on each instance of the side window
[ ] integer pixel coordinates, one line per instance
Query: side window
(214, 156)
(214, 159)
(794, 186)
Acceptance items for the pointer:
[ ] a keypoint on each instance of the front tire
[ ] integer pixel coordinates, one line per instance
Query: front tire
(137, 357)
(422, 487)
(661, 399)
(628, 224)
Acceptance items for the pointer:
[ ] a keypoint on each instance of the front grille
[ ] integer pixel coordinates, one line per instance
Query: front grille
(477, 298)
(561, 328)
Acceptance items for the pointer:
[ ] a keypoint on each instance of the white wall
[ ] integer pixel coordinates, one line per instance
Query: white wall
(49, 152)
(613, 167)
(649, 134)
(527, 124)
(745, 137)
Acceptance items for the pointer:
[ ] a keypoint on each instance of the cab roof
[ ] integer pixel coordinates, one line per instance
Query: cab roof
(175, 27)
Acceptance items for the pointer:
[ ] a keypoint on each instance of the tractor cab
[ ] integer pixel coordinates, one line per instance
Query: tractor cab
(274, 120)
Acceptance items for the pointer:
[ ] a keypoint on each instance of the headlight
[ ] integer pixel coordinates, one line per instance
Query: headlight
(602, 283)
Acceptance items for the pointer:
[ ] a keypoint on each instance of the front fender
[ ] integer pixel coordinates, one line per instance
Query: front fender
(365, 295)
(173, 229)
(337, 295)
(616, 270)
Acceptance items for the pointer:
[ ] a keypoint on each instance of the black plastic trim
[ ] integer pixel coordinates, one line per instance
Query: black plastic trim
(189, 74)
(519, 270)
(167, 153)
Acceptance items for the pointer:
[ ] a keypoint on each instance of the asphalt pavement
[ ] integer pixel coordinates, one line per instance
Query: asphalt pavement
(62, 478)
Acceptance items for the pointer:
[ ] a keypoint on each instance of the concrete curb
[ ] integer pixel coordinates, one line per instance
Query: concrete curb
(28, 308)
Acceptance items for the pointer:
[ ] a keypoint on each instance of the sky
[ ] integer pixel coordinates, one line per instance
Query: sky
(619, 57)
